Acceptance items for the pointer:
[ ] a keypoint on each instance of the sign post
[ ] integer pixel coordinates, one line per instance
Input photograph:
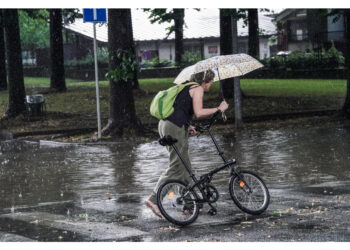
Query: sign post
(96, 16)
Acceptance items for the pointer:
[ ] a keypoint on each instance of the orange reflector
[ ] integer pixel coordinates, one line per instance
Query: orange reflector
(171, 195)
(241, 184)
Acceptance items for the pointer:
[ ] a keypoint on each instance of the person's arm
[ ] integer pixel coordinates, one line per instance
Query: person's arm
(197, 101)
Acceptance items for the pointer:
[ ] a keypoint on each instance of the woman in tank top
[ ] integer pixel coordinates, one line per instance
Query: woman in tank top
(189, 102)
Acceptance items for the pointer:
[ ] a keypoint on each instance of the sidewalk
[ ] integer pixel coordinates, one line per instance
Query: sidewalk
(292, 216)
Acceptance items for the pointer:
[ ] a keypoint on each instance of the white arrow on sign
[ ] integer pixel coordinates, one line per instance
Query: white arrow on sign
(95, 14)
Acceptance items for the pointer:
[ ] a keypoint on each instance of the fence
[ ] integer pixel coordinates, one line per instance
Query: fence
(89, 74)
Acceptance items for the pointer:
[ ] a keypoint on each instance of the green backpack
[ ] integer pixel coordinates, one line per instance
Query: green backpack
(162, 103)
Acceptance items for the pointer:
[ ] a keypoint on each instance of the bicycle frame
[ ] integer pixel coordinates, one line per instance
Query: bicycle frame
(206, 178)
(209, 194)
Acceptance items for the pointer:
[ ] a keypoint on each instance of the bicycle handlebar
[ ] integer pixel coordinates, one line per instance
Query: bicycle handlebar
(202, 128)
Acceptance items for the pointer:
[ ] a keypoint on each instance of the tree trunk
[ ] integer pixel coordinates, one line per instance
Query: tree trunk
(15, 67)
(57, 80)
(122, 107)
(234, 35)
(253, 28)
(135, 82)
(179, 15)
(3, 78)
(226, 49)
(236, 81)
(346, 107)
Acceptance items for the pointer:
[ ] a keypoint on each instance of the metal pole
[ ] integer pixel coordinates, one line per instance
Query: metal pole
(97, 88)
(237, 101)
(222, 97)
(221, 90)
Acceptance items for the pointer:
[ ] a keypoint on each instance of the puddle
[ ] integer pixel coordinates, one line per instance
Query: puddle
(37, 173)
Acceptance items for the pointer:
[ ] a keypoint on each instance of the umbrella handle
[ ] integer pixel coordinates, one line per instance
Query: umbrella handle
(224, 117)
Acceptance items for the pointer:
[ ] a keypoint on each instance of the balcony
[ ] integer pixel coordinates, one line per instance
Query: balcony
(298, 37)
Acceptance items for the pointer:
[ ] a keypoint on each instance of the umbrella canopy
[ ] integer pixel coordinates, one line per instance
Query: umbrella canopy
(224, 67)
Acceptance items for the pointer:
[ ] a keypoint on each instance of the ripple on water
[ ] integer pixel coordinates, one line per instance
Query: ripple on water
(100, 172)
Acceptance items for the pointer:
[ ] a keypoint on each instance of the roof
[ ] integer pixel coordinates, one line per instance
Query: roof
(291, 14)
(198, 24)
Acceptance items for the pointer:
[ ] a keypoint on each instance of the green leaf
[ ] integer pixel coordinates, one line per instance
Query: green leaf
(127, 66)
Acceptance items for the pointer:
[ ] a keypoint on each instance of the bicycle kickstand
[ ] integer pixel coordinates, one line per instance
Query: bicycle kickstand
(212, 211)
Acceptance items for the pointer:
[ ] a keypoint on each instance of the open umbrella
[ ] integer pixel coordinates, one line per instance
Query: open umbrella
(224, 67)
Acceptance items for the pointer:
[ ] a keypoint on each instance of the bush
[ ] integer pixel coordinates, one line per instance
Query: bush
(330, 59)
(335, 57)
(89, 61)
(190, 58)
(274, 62)
(156, 62)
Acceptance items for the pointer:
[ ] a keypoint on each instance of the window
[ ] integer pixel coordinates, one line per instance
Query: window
(299, 35)
(298, 31)
(213, 49)
(192, 48)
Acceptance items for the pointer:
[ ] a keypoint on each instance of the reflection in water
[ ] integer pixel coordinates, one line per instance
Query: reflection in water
(292, 157)
(151, 162)
(31, 173)
(93, 172)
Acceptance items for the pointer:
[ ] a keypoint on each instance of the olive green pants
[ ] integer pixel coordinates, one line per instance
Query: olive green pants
(176, 169)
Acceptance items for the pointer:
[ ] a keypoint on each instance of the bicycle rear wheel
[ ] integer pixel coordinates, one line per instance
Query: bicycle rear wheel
(176, 203)
(249, 193)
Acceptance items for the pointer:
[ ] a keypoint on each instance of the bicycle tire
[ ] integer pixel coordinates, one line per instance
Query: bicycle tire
(254, 201)
(172, 206)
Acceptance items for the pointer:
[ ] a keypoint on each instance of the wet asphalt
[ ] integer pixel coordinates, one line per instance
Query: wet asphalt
(60, 192)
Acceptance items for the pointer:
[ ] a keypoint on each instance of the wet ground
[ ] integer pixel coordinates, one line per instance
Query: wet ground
(95, 192)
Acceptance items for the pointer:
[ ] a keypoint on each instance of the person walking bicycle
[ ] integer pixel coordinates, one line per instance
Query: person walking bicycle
(189, 102)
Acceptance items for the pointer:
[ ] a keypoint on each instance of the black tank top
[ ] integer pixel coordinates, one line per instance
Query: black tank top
(183, 108)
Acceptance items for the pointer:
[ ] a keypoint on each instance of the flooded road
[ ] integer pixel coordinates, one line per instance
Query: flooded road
(103, 177)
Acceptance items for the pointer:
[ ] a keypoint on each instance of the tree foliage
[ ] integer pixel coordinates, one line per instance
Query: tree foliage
(169, 15)
(34, 26)
(69, 15)
(162, 16)
(34, 30)
(127, 67)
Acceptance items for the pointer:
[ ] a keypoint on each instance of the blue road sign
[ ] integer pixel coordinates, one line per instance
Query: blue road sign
(95, 15)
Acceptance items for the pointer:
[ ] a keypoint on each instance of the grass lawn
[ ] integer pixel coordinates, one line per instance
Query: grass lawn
(262, 97)
(84, 92)
(294, 87)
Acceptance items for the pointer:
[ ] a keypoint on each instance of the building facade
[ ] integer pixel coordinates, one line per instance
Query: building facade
(309, 29)
(201, 35)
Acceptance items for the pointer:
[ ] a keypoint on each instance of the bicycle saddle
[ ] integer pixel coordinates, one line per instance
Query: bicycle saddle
(167, 140)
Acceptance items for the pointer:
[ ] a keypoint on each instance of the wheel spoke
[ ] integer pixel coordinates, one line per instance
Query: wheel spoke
(174, 200)
(251, 195)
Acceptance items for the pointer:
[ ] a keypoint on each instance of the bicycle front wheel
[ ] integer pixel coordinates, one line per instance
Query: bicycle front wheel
(176, 203)
(249, 192)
